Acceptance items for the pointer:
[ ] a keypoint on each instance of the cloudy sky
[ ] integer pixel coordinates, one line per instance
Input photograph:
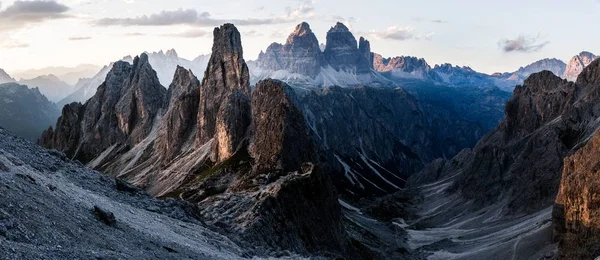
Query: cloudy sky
(489, 36)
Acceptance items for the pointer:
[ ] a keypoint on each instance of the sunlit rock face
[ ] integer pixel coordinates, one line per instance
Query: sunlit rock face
(577, 64)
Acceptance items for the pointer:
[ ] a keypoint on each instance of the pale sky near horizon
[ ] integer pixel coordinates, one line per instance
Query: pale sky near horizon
(489, 36)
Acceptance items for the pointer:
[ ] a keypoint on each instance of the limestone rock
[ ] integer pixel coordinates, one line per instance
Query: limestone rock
(300, 53)
(227, 71)
(577, 64)
(233, 121)
(342, 52)
(280, 137)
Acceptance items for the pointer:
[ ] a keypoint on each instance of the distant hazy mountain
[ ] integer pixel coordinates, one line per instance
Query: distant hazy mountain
(86, 88)
(5, 78)
(164, 64)
(404, 67)
(24, 111)
(556, 66)
(50, 85)
(577, 64)
(69, 75)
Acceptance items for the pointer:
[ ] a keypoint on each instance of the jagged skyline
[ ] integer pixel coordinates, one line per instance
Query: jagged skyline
(38, 34)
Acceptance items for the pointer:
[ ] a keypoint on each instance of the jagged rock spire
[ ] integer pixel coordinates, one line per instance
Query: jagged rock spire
(341, 51)
(227, 72)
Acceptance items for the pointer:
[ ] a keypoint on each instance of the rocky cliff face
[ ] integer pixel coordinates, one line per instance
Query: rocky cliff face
(282, 144)
(300, 54)
(227, 72)
(528, 145)
(575, 215)
(179, 124)
(385, 136)
(214, 145)
(577, 64)
(342, 53)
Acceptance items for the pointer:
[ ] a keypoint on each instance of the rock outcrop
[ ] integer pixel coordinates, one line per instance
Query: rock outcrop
(227, 72)
(577, 64)
(179, 124)
(281, 144)
(576, 216)
(343, 53)
(233, 121)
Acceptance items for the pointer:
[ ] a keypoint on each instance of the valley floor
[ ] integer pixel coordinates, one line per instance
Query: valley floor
(446, 229)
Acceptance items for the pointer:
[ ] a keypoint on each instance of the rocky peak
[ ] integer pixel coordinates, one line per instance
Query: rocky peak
(179, 123)
(122, 111)
(577, 64)
(342, 52)
(227, 73)
(182, 80)
(300, 54)
(302, 30)
(591, 74)
(172, 53)
(141, 100)
(542, 98)
(340, 38)
(339, 27)
(364, 47)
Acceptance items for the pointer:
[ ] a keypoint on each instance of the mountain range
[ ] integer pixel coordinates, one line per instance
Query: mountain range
(346, 62)
(165, 65)
(50, 86)
(70, 75)
(313, 150)
(24, 111)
